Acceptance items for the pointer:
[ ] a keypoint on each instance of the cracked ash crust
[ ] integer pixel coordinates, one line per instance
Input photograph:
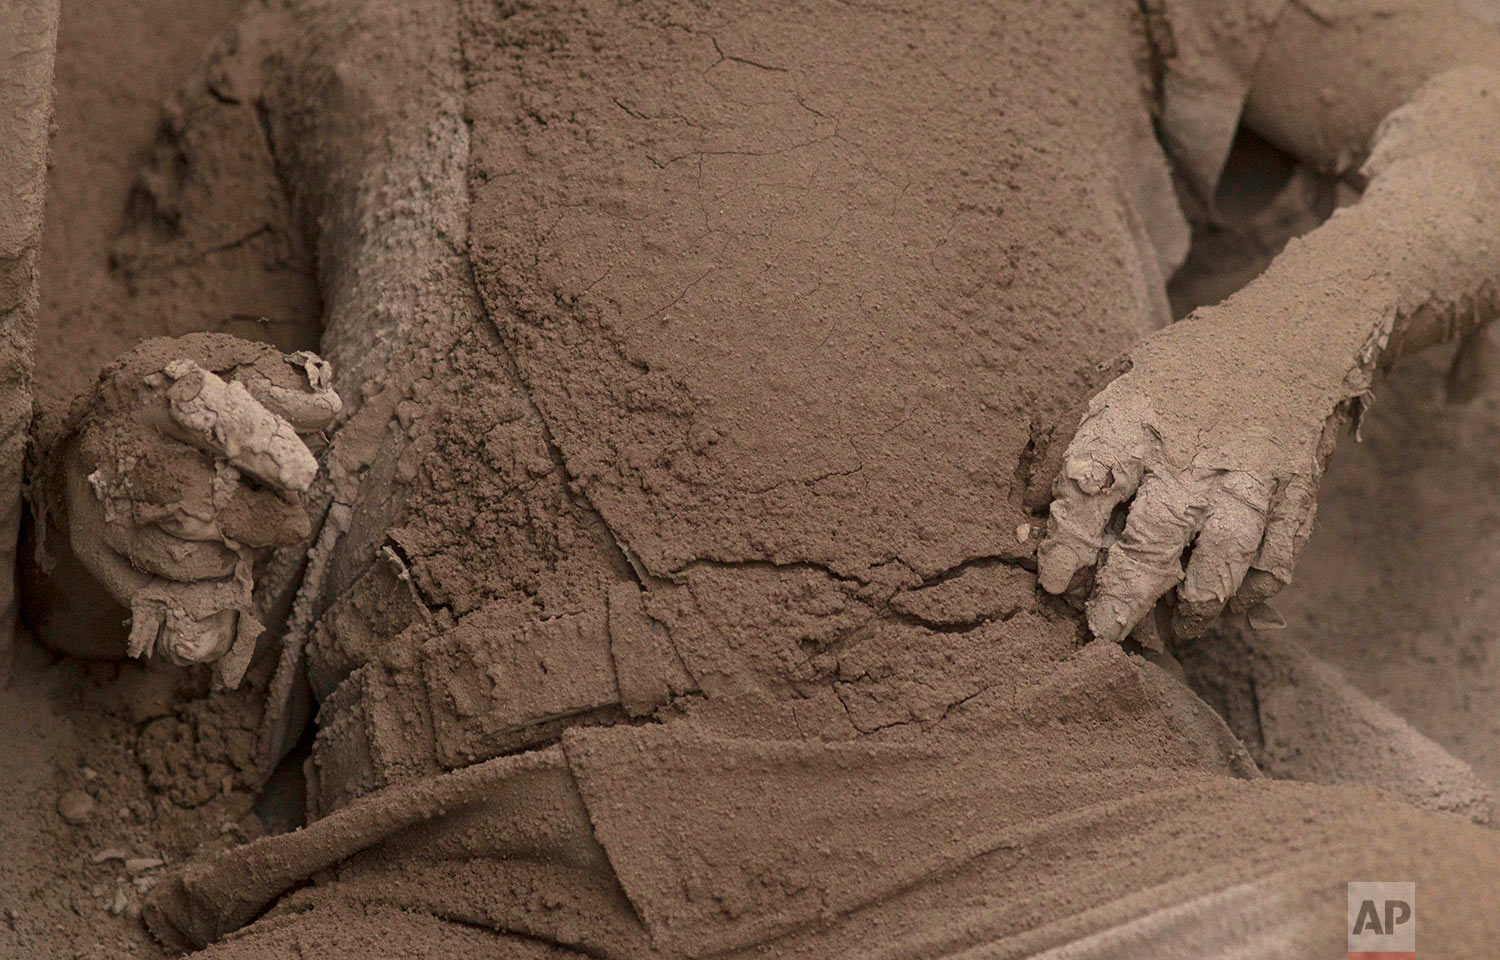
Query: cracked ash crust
(865, 359)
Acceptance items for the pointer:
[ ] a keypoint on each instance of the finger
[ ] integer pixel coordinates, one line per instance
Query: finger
(86, 526)
(195, 622)
(1224, 550)
(1288, 527)
(1146, 562)
(299, 389)
(230, 668)
(225, 420)
(1101, 470)
(1086, 496)
(186, 640)
(155, 551)
(259, 517)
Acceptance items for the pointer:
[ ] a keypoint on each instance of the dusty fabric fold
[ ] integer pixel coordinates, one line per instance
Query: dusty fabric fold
(722, 844)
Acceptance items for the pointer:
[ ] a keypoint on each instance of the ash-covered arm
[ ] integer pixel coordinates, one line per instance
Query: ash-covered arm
(1220, 431)
(1402, 96)
(363, 103)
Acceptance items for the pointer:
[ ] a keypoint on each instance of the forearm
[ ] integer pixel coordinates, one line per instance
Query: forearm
(1408, 92)
(364, 103)
(1435, 175)
(1414, 263)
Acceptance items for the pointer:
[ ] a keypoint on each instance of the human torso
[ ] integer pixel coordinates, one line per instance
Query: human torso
(796, 294)
(800, 284)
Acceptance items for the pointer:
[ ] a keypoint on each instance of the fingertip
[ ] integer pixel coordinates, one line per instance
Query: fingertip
(1191, 618)
(1213, 575)
(1056, 565)
(299, 469)
(185, 641)
(1258, 587)
(1108, 618)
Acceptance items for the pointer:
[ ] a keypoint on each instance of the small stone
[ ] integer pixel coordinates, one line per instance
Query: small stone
(109, 853)
(140, 864)
(89, 773)
(75, 807)
(1264, 617)
(120, 902)
(1023, 533)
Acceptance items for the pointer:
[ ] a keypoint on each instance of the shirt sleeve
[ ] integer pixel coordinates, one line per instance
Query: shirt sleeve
(1207, 51)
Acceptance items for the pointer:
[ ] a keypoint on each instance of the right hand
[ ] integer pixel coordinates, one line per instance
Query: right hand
(185, 462)
(1213, 443)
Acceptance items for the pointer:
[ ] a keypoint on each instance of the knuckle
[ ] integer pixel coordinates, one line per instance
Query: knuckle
(1091, 476)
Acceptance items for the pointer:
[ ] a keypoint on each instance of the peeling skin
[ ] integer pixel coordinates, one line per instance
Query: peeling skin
(307, 412)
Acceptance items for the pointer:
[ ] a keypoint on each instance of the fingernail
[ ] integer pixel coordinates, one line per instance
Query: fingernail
(1056, 565)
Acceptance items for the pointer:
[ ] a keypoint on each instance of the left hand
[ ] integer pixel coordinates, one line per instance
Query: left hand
(173, 479)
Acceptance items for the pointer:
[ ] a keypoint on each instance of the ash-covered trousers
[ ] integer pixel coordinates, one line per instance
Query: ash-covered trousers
(1047, 825)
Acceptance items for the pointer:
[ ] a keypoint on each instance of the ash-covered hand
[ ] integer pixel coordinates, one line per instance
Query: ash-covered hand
(1212, 446)
(186, 461)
